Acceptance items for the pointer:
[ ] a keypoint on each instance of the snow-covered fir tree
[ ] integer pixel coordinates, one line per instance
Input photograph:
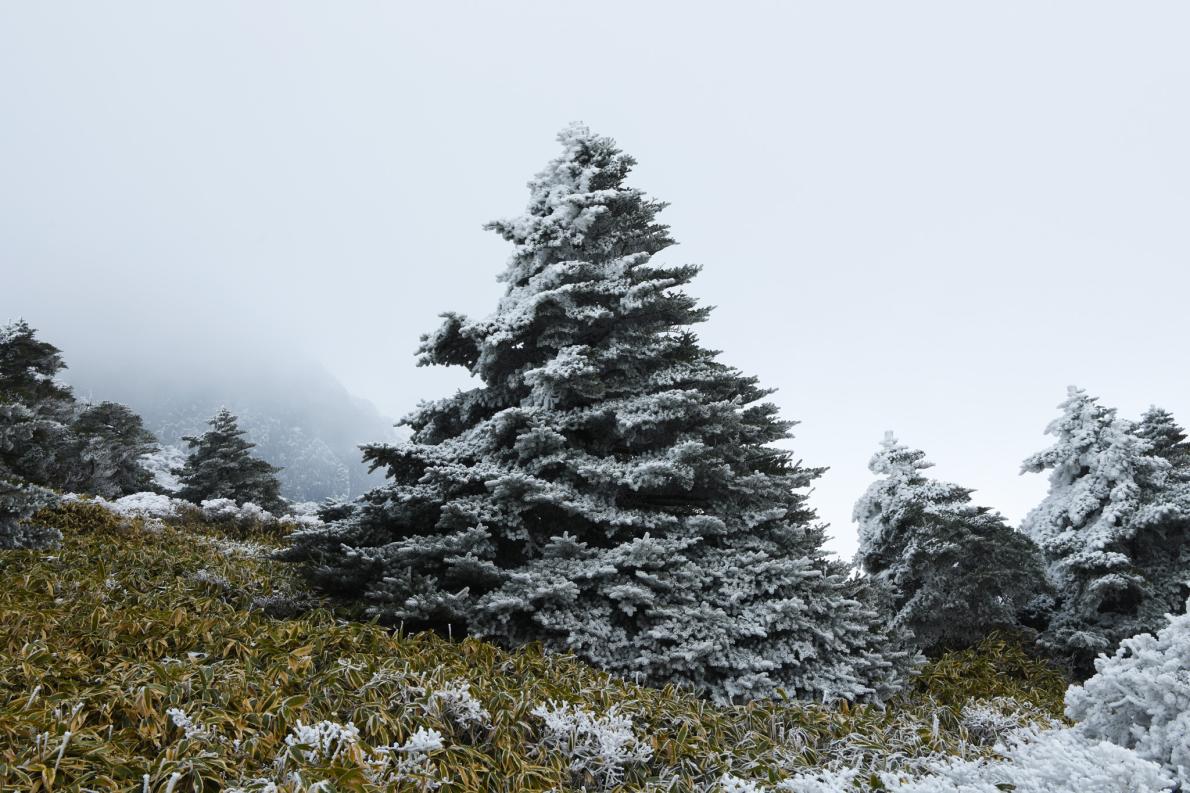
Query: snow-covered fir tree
(957, 571)
(1112, 528)
(611, 489)
(221, 465)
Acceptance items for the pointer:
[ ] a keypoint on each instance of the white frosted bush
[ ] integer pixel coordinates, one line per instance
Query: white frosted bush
(225, 510)
(599, 748)
(323, 741)
(1029, 761)
(990, 721)
(189, 727)
(461, 707)
(147, 505)
(1140, 697)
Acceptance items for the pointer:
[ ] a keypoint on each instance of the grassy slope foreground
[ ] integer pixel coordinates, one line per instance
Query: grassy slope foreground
(175, 658)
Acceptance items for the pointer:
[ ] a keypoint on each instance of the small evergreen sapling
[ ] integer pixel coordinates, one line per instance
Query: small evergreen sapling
(956, 571)
(610, 488)
(221, 465)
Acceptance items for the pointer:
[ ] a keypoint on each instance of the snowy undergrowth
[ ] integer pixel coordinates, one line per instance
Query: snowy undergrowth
(1140, 697)
(192, 685)
(1056, 760)
(221, 511)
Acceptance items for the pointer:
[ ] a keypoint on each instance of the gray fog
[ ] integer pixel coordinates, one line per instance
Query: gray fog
(924, 217)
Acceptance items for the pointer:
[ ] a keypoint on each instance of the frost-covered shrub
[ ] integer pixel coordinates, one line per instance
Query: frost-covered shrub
(1140, 697)
(226, 510)
(1047, 761)
(248, 515)
(461, 707)
(323, 741)
(329, 742)
(148, 505)
(990, 721)
(1029, 761)
(600, 749)
(189, 727)
(18, 503)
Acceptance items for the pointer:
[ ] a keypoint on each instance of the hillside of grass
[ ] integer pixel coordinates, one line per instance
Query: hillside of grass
(141, 656)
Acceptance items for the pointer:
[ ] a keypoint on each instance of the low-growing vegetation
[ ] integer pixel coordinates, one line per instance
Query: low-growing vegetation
(143, 656)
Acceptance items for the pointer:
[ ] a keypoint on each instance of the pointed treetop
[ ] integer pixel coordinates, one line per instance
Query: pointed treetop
(568, 200)
(894, 457)
(28, 365)
(1161, 430)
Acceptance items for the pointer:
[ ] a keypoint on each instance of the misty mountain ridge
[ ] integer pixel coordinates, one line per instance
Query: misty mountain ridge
(301, 418)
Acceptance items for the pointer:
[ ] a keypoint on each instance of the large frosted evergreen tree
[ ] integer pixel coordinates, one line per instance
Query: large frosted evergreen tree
(221, 465)
(957, 571)
(1110, 511)
(611, 488)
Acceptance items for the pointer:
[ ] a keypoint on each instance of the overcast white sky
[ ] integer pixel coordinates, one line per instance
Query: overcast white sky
(926, 217)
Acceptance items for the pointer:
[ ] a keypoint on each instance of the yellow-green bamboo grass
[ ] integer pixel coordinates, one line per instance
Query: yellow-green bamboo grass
(101, 638)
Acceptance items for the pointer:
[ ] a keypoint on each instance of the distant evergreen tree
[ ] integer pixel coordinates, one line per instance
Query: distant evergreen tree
(220, 465)
(956, 571)
(1109, 504)
(611, 488)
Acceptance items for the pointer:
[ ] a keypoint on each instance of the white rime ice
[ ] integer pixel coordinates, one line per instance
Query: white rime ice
(611, 488)
(1140, 698)
(1113, 526)
(955, 571)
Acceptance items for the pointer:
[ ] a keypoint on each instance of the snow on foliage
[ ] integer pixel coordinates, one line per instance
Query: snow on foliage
(1140, 697)
(323, 741)
(610, 489)
(600, 749)
(461, 707)
(164, 464)
(1030, 760)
